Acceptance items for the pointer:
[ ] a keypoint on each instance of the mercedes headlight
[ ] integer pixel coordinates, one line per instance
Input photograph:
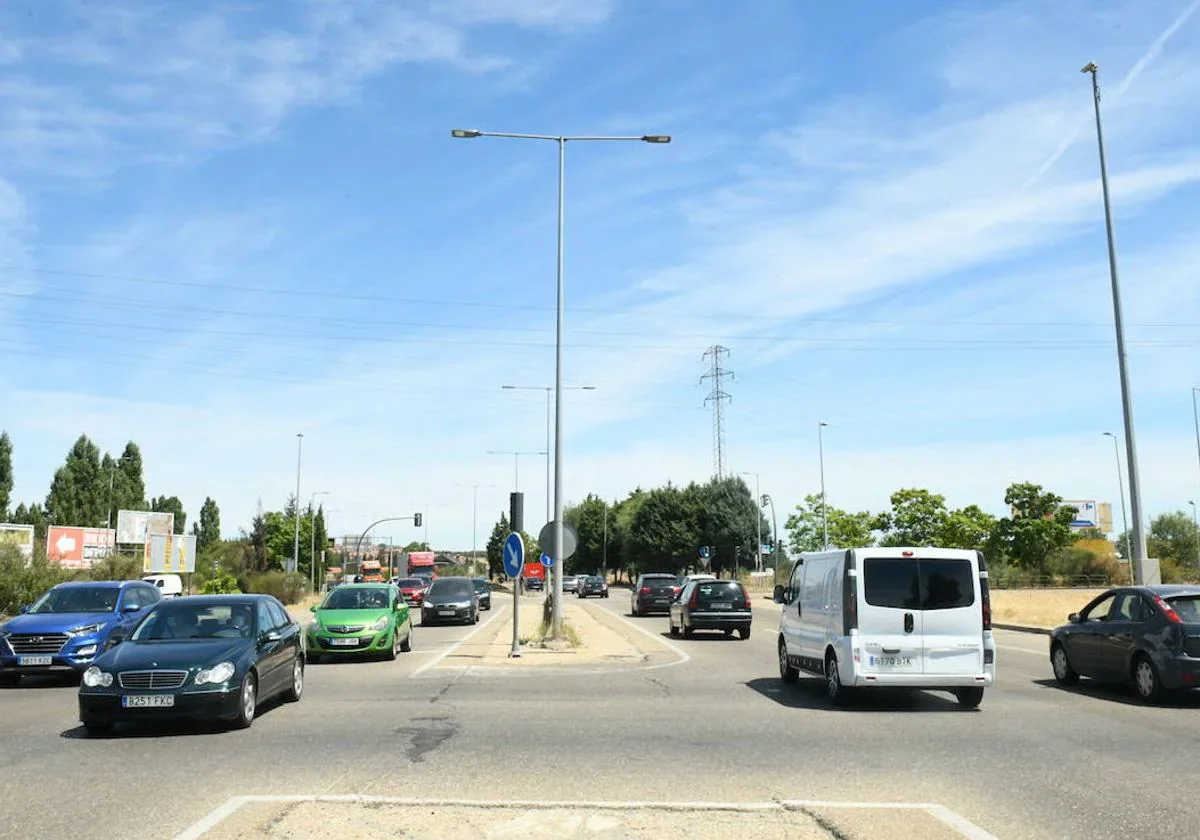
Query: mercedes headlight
(87, 629)
(94, 677)
(381, 624)
(217, 674)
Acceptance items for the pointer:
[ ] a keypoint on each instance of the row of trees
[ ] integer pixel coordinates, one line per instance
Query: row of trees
(90, 487)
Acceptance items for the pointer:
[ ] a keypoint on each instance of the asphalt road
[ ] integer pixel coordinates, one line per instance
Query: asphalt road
(712, 725)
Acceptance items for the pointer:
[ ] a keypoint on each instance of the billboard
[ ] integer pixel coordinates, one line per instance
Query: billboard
(19, 535)
(169, 553)
(1087, 513)
(78, 548)
(135, 526)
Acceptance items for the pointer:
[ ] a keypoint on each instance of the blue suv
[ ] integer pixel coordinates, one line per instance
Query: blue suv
(70, 626)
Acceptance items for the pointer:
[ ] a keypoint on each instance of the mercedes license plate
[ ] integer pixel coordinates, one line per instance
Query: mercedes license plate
(34, 660)
(343, 642)
(891, 661)
(148, 701)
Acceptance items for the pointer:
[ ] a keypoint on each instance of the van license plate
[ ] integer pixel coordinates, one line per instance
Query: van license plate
(891, 661)
(34, 660)
(148, 701)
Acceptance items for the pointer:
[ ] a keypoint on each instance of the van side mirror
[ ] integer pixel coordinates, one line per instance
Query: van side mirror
(778, 596)
(1073, 618)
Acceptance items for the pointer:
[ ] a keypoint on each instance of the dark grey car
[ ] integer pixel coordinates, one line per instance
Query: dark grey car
(652, 593)
(450, 599)
(484, 590)
(1145, 635)
(712, 605)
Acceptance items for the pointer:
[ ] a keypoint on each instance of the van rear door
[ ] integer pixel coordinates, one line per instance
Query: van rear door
(952, 621)
(889, 615)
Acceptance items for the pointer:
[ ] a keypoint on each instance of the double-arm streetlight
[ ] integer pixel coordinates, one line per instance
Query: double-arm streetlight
(474, 513)
(549, 389)
(112, 474)
(516, 455)
(561, 141)
(764, 500)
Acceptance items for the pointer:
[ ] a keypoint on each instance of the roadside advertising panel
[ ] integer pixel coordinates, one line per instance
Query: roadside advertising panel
(170, 554)
(134, 526)
(74, 547)
(19, 535)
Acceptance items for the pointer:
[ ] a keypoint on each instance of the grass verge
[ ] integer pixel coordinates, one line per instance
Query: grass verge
(541, 639)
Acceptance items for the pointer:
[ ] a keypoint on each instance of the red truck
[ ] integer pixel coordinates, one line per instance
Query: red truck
(534, 575)
(421, 564)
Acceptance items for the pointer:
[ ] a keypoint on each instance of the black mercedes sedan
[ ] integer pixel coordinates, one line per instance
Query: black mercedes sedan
(214, 657)
(1145, 635)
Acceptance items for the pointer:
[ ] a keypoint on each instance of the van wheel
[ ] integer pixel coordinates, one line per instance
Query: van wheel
(786, 672)
(1063, 672)
(833, 682)
(969, 698)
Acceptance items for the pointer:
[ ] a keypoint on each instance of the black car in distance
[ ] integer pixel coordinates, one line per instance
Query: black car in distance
(711, 605)
(652, 594)
(592, 586)
(450, 599)
(484, 590)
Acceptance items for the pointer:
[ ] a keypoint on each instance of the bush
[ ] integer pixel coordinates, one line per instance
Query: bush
(221, 583)
(1088, 558)
(21, 584)
(288, 588)
(116, 567)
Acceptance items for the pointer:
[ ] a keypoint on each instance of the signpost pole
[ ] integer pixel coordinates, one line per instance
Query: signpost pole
(513, 557)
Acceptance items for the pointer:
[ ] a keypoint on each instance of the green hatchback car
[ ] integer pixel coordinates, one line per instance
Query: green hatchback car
(362, 619)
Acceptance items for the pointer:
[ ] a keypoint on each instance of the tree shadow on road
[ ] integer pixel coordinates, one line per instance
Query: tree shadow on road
(809, 693)
(1118, 693)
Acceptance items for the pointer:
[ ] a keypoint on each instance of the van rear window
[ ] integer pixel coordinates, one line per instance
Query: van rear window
(911, 584)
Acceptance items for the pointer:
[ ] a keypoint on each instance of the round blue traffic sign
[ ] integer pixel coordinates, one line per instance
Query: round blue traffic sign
(514, 555)
(547, 560)
(703, 551)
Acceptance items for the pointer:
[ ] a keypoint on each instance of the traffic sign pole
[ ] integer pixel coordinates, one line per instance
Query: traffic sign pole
(514, 565)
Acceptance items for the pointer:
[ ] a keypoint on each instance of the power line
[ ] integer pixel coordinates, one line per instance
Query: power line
(717, 397)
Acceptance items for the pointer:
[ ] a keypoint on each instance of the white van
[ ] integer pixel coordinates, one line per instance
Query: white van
(169, 586)
(889, 617)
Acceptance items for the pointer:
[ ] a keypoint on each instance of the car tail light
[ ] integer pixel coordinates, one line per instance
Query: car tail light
(694, 601)
(746, 599)
(986, 596)
(645, 590)
(1168, 610)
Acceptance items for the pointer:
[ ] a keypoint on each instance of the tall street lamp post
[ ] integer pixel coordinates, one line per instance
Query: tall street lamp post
(1137, 558)
(824, 514)
(1121, 491)
(296, 543)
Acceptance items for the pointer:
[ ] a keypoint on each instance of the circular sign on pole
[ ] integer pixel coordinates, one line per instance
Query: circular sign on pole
(570, 540)
(514, 555)
(547, 560)
(704, 551)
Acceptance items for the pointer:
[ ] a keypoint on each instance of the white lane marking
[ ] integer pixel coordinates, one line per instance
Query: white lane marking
(432, 662)
(955, 821)
(683, 655)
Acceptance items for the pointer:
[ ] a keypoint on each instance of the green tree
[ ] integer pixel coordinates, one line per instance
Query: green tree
(846, 529)
(6, 475)
(588, 518)
(968, 527)
(495, 546)
(79, 492)
(321, 537)
(1172, 538)
(128, 485)
(662, 535)
(208, 529)
(621, 543)
(1040, 526)
(416, 545)
(918, 517)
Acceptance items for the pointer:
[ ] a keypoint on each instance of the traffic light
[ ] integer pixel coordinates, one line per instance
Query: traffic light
(417, 520)
(516, 512)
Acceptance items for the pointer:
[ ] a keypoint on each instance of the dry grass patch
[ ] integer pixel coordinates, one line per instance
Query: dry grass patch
(1045, 608)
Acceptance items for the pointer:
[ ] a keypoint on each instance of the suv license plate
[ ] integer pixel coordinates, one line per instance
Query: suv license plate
(34, 660)
(148, 701)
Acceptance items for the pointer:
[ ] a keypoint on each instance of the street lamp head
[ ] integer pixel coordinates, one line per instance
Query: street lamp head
(587, 387)
(508, 387)
(1090, 67)
(656, 138)
(1109, 434)
(465, 133)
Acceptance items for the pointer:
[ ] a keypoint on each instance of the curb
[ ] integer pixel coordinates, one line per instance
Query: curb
(1020, 628)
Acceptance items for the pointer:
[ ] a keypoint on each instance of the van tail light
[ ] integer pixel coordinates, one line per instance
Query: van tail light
(645, 590)
(986, 595)
(849, 600)
(1167, 610)
(694, 601)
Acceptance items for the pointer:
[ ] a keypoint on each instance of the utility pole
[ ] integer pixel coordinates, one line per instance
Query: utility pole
(824, 511)
(1138, 557)
(717, 397)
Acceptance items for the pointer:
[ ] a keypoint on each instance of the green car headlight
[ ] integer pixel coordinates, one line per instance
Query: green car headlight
(381, 624)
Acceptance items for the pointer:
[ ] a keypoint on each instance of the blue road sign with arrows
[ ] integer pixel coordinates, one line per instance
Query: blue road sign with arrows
(703, 551)
(547, 560)
(514, 555)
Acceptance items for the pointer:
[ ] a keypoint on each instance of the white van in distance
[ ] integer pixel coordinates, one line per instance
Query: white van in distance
(916, 618)
(169, 586)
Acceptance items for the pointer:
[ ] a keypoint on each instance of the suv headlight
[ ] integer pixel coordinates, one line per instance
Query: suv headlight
(217, 674)
(87, 629)
(381, 624)
(94, 677)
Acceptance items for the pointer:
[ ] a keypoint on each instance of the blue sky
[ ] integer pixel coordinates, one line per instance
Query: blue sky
(223, 226)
